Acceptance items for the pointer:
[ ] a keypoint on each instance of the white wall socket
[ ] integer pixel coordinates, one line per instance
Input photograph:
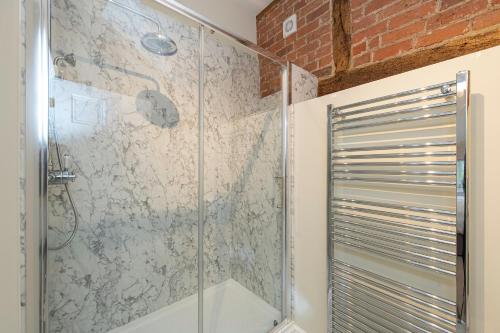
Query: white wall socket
(290, 26)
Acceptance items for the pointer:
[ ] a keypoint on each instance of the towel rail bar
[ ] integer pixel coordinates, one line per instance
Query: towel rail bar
(368, 172)
(394, 147)
(442, 85)
(396, 206)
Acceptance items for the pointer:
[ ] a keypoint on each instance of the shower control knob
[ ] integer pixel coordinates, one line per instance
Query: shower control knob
(66, 162)
(64, 176)
(58, 177)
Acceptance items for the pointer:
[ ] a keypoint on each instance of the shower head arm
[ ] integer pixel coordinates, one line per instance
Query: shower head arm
(136, 12)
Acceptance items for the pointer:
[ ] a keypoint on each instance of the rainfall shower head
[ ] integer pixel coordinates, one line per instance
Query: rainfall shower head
(158, 43)
(154, 42)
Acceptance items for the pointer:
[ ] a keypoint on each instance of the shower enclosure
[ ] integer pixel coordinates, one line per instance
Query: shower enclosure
(165, 205)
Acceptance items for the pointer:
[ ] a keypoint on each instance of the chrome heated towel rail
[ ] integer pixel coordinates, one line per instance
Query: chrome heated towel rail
(397, 219)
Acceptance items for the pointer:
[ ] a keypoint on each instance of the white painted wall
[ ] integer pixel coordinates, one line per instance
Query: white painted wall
(237, 16)
(310, 168)
(309, 218)
(9, 167)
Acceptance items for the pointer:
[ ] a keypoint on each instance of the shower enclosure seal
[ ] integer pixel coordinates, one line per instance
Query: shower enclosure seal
(36, 131)
(37, 104)
(201, 178)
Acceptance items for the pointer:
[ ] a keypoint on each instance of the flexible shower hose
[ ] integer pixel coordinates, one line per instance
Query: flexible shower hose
(66, 187)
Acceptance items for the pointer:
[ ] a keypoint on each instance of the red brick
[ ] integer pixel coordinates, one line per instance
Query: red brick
(487, 20)
(311, 56)
(311, 5)
(316, 34)
(356, 3)
(443, 34)
(397, 7)
(326, 18)
(409, 16)
(364, 22)
(403, 33)
(445, 4)
(375, 5)
(358, 13)
(326, 61)
(312, 66)
(276, 31)
(291, 39)
(374, 43)
(276, 10)
(456, 13)
(301, 61)
(308, 47)
(325, 8)
(267, 44)
(326, 39)
(359, 48)
(307, 28)
(391, 51)
(284, 51)
(277, 46)
(361, 60)
(369, 33)
(322, 51)
(301, 21)
(299, 43)
(298, 5)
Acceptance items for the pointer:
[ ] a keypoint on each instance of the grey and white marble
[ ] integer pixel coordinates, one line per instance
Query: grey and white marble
(304, 85)
(257, 216)
(22, 163)
(242, 168)
(137, 187)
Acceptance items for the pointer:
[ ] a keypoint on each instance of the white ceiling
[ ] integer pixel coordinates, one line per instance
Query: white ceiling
(258, 5)
(237, 16)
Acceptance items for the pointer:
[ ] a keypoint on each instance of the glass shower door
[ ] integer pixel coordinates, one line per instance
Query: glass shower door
(124, 123)
(155, 193)
(243, 189)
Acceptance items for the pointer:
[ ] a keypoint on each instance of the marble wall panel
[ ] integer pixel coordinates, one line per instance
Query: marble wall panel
(137, 187)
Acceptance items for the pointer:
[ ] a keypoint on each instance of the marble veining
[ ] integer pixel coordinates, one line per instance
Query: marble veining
(136, 192)
(304, 85)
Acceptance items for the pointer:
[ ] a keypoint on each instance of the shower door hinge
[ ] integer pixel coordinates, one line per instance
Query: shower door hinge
(52, 102)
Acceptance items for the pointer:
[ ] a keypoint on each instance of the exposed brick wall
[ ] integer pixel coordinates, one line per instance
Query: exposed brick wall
(309, 48)
(380, 30)
(383, 29)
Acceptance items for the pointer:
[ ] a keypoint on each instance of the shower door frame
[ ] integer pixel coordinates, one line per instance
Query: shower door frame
(37, 106)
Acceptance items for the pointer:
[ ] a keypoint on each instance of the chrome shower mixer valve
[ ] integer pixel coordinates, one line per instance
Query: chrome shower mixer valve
(64, 176)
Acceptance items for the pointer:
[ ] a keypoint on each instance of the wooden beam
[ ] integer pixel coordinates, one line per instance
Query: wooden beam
(451, 49)
(341, 33)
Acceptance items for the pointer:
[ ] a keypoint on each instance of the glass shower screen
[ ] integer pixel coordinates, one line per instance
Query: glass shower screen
(165, 199)
(243, 191)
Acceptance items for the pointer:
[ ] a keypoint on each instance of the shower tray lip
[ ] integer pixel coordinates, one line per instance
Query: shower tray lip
(228, 305)
(287, 326)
